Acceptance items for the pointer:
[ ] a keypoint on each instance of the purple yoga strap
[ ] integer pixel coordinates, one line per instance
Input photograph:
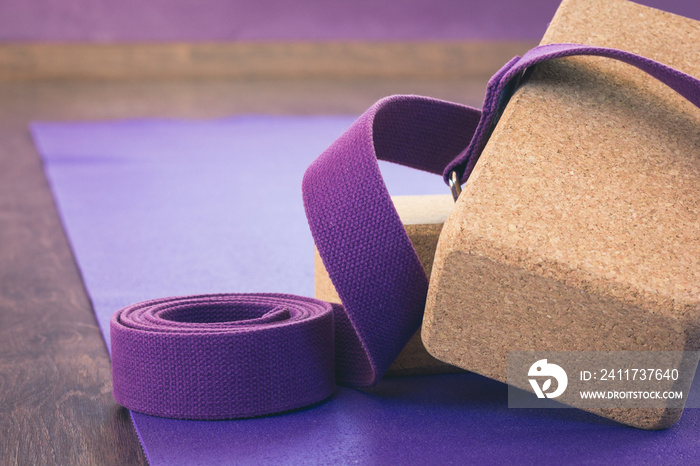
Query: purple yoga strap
(243, 355)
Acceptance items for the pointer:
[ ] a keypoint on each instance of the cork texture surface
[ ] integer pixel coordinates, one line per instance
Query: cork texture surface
(423, 217)
(578, 229)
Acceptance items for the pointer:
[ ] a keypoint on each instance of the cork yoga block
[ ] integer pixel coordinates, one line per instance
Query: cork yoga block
(423, 217)
(578, 229)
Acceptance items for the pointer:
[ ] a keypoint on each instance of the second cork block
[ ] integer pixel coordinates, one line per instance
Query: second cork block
(578, 229)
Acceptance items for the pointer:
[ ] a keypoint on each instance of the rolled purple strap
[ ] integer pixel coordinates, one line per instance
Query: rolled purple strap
(222, 356)
(242, 355)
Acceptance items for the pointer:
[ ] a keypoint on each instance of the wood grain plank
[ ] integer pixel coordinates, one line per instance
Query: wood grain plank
(255, 59)
(55, 393)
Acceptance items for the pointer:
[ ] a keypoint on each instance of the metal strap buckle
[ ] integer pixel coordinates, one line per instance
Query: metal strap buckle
(455, 187)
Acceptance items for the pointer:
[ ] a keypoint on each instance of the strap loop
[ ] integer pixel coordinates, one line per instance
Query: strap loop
(359, 235)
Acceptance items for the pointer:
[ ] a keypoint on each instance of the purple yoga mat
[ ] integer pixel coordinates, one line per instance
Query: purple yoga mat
(134, 195)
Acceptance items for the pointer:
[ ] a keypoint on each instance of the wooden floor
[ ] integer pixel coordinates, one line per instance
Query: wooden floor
(56, 405)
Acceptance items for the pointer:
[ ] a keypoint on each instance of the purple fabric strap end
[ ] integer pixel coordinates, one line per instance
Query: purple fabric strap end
(242, 355)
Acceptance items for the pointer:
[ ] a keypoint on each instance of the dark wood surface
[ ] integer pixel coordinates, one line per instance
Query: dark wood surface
(56, 405)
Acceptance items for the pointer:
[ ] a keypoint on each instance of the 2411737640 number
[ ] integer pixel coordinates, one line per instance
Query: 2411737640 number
(639, 374)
